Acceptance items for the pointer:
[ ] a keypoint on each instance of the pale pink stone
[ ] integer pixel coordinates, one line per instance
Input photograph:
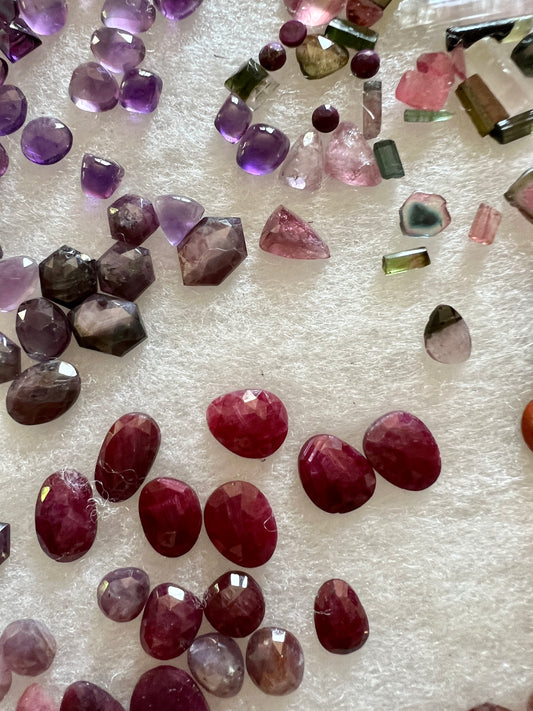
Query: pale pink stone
(437, 63)
(423, 91)
(458, 60)
(304, 166)
(485, 224)
(287, 235)
(315, 12)
(36, 698)
(350, 159)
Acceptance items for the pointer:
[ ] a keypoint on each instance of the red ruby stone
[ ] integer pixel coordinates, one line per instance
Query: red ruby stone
(167, 688)
(335, 476)
(240, 523)
(340, 619)
(126, 456)
(250, 423)
(234, 604)
(171, 619)
(171, 516)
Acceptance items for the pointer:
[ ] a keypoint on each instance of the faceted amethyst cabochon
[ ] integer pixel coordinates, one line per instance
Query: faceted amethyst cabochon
(140, 91)
(44, 17)
(93, 88)
(45, 140)
(131, 15)
(117, 50)
(100, 177)
(262, 149)
(167, 688)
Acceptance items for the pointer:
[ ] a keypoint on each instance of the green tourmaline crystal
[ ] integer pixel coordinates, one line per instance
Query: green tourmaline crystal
(513, 128)
(422, 116)
(480, 104)
(319, 57)
(251, 83)
(388, 159)
(399, 262)
(347, 34)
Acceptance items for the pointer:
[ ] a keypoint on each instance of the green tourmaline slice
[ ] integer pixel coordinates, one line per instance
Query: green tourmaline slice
(347, 34)
(480, 104)
(399, 262)
(422, 116)
(513, 128)
(319, 57)
(251, 83)
(388, 159)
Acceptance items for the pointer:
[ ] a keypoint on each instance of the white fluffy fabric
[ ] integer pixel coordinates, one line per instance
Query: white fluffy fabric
(445, 574)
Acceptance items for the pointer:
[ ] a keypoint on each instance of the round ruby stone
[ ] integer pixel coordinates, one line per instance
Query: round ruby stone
(93, 88)
(167, 688)
(240, 523)
(171, 620)
(234, 604)
(170, 515)
(272, 56)
(400, 447)
(325, 118)
(262, 149)
(250, 423)
(131, 15)
(365, 64)
(13, 109)
(122, 593)
(275, 661)
(340, 620)
(335, 476)
(292, 33)
(85, 696)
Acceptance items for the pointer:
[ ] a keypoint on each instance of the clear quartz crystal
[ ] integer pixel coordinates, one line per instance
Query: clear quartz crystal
(412, 13)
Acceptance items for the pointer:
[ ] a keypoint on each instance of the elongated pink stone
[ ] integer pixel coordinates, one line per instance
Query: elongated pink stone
(350, 159)
(166, 688)
(287, 235)
(372, 108)
(36, 698)
(341, 622)
(86, 696)
(423, 90)
(485, 224)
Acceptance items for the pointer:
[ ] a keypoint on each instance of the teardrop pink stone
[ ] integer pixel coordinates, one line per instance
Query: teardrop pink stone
(340, 619)
(350, 159)
(287, 235)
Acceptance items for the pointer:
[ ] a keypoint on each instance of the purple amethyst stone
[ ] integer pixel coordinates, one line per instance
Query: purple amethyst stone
(9, 10)
(13, 109)
(177, 9)
(132, 219)
(233, 119)
(5, 544)
(100, 177)
(44, 17)
(140, 91)
(18, 279)
(262, 149)
(117, 50)
(131, 15)
(93, 88)
(177, 216)
(9, 359)
(4, 163)
(67, 276)
(45, 140)
(42, 329)
(122, 593)
(4, 71)
(17, 40)
(125, 271)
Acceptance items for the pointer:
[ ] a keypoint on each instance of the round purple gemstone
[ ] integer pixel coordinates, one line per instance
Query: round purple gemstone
(4, 162)
(140, 91)
(365, 64)
(45, 140)
(262, 149)
(272, 56)
(117, 50)
(122, 593)
(177, 9)
(233, 119)
(4, 71)
(292, 33)
(13, 109)
(325, 118)
(93, 88)
(42, 329)
(131, 15)
(44, 17)
(100, 177)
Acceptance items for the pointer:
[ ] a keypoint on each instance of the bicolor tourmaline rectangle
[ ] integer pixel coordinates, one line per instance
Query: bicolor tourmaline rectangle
(483, 108)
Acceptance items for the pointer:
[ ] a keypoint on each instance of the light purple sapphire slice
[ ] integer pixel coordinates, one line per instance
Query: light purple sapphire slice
(262, 149)
(44, 17)
(140, 91)
(18, 278)
(46, 140)
(100, 177)
(177, 9)
(117, 50)
(131, 15)
(233, 119)
(13, 109)
(93, 88)
(177, 216)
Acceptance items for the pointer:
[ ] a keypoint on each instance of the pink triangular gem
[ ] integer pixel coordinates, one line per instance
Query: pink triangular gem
(287, 235)
(304, 166)
(350, 159)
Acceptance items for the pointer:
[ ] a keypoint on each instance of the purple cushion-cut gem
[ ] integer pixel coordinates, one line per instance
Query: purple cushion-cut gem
(45, 140)
(17, 40)
(4, 71)
(4, 163)
(18, 278)
(125, 271)
(42, 329)
(117, 50)
(13, 108)
(132, 219)
(233, 119)
(177, 9)
(93, 88)
(131, 15)
(177, 216)
(100, 177)
(140, 91)
(44, 17)
(262, 149)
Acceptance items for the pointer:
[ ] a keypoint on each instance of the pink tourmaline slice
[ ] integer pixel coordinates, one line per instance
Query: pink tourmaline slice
(335, 476)
(350, 159)
(423, 90)
(27, 647)
(177, 216)
(485, 225)
(85, 696)
(438, 64)
(340, 619)
(275, 661)
(240, 524)
(303, 168)
(315, 12)
(44, 17)
(171, 620)
(65, 516)
(167, 688)
(234, 604)
(401, 448)
(287, 235)
(18, 279)
(126, 456)
(364, 13)
(6, 678)
(36, 698)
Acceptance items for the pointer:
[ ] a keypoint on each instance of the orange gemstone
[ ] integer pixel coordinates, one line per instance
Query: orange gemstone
(527, 425)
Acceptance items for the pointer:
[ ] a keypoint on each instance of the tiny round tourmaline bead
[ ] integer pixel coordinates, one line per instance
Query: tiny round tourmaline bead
(131, 15)
(292, 33)
(45, 140)
(365, 64)
(93, 88)
(234, 604)
(4, 161)
(28, 647)
(100, 177)
(13, 109)
(4, 71)
(325, 118)
(122, 593)
(272, 56)
(140, 91)
(117, 50)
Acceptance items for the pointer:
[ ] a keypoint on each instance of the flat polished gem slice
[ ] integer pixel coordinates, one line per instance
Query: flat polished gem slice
(437, 63)
(122, 593)
(519, 195)
(92, 88)
(350, 159)
(126, 456)
(211, 251)
(233, 118)
(167, 688)
(314, 13)
(526, 425)
(131, 15)
(36, 698)
(132, 219)
(372, 109)
(522, 55)
(85, 696)
(45, 140)
(287, 235)
(423, 90)
(485, 224)
(100, 177)
(43, 392)
(67, 276)
(262, 149)
(401, 448)
(399, 262)
(482, 107)
(335, 476)
(217, 664)
(125, 271)
(13, 109)
(170, 622)
(117, 50)
(18, 279)
(424, 215)
(5, 542)
(177, 215)
(422, 116)
(107, 324)
(234, 604)
(42, 329)
(347, 34)
(364, 13)
(28, 647)
(513, 128)
(446, 336)
(44, 17)
(341, 622)
(177, 9)
(275, 661)
(65, 516)
(320, 56)
(388, 159)
(17, 40)
(240, 524)
(140, 91)
(4, 161)
(303, 168)
(171, 516)
(250, 423)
